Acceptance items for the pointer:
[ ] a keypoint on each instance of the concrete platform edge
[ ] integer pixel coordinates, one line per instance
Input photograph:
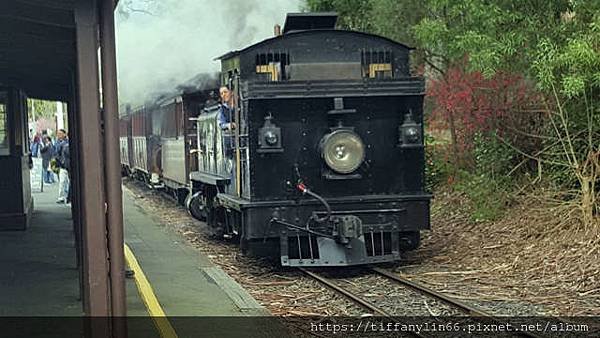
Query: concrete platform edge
(240, 297)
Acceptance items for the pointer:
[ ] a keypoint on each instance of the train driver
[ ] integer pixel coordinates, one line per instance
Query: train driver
(224, 119)
(226, 111)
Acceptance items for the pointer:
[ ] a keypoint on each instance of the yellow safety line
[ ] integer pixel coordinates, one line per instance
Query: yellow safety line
(152, 305)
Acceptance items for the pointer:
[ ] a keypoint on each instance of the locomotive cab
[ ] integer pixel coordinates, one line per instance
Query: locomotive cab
(327, 162)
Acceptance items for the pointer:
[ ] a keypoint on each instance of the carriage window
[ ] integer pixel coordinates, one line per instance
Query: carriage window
(4, 144)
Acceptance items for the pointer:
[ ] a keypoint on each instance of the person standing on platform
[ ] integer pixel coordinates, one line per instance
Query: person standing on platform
(47, 153)
(63, 160)
(36, 146)
(67, 163)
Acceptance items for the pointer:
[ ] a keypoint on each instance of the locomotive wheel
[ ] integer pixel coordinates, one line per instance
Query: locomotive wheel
(209, 194)
(195, 207)
(181, 195)
(215, 219)
(410, 240)
(211, 216)
(198, 210)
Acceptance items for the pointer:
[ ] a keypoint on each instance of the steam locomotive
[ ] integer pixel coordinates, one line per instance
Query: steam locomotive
(326, 165)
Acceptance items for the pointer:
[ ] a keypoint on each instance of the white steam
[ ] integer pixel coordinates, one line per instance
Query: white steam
(164, 43)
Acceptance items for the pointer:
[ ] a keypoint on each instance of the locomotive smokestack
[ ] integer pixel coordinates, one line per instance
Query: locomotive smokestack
(277, 30)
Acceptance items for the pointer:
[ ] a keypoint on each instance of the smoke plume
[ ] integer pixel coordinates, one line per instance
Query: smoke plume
(162, 44)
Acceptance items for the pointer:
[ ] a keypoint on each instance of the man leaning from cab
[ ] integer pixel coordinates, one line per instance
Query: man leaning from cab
(225, 113)
(224, 119)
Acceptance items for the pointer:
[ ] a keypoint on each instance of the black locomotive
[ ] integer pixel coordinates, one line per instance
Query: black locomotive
(325, 167)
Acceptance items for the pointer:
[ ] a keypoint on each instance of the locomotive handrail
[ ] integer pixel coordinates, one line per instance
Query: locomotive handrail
(368, 211)
(329, 88)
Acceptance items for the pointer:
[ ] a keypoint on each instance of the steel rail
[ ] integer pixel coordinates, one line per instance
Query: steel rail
(449, 300)
(346, 293)
(431, 292)
(353, 297)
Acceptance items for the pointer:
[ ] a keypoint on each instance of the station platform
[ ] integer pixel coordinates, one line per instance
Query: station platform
(39, 275)
(198, 297)
(39, 279)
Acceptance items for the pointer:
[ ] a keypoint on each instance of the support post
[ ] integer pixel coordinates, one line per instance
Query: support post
(112, 167)
(92, 195)
(74, 178)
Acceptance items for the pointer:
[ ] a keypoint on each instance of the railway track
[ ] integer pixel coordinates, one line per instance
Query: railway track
(376, 310)
(397, 279)
(349, 294)
(430, 292)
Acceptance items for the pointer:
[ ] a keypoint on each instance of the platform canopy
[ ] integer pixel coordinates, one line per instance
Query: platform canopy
(65, 50)
(37, 47)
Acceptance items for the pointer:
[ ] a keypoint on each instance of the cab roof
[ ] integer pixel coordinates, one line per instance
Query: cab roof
(306, 21)
(265, 42)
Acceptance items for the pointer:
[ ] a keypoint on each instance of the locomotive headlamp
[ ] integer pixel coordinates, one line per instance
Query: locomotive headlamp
(269, 137)
(412, 134)
(343, 151)
(409, 133)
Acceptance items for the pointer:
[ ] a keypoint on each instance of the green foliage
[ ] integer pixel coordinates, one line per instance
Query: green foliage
(390, 18)
(488, 198)
(488, 185)
(41, 109)
(556, 42)
(437, 166)
(492, 157)
(494, 34)
(395, 19)
(572, 66)
(353, 14)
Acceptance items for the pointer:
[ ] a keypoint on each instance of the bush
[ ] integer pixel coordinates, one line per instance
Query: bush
(489, 199)
(437, 165)
(492, 157)
(488, 185)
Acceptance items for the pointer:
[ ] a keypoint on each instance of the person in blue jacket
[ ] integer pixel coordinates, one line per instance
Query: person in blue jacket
(226, 112)
(47, 154)
(36, 146)
(225, 119)
(63, 159)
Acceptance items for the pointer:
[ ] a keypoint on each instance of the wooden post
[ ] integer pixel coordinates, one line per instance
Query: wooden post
(112, 168)
(91, 179)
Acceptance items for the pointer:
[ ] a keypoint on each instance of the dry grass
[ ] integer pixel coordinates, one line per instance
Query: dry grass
(538, 253)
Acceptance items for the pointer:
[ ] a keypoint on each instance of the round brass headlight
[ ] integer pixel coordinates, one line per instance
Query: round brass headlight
(343, 151)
